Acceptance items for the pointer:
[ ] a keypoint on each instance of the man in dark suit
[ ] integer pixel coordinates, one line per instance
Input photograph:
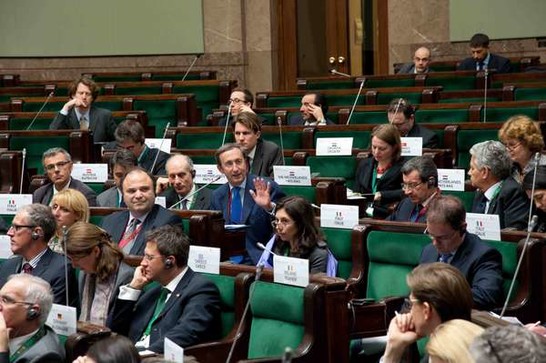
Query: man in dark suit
(262, 154)
(498, 192)
(185, 307)
(58, 165)
(129, 227)
(179, 189)
(79, 112)
(121, 163)
(245, 199)
(420, 185)
(483, 59)
(24, 337)
(312, 111)
(402, 115)
(240, 100)
(130, 136)
(31, 229)
(451, 243)
(421, 60)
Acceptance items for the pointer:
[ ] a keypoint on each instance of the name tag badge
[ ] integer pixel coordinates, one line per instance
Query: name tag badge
(291, 271)
(292, 175)
(204, 259)
(451, 179)
(339, 146)
(10, 203)
(412, 146)
(486, 226)
(90, 173)
(338, 216)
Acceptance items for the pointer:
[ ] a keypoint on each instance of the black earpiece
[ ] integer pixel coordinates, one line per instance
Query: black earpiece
(168, 264)
(431, 182)
(193, 173)
(32, 313)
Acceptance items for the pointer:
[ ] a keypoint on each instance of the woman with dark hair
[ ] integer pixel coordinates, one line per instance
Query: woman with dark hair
(539, 195)
(380, 175)
(113, 349)
(102, 270)
(297, 235)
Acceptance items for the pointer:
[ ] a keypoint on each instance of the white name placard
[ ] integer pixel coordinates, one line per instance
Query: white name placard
(90, 173)
(412, 146)
(62, 319)
(292, 175)
(5, 247)
(204, 259)
(338, 216)
(486, 226)
(334, 146)
(161, 144)
(451, 179)
(205, 173)
(162, 201)
(10, 203)
(291, 271)
(173, 352)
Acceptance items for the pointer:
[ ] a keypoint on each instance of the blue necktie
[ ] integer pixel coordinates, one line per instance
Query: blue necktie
(445, 257)
(236, 207)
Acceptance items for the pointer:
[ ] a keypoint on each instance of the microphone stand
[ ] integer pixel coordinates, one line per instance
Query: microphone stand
(485, 98)
(356, 100)
(23, 170)
(279, 122)
(65, 266)
(39, 111)
(196, 191)
(337, 73)
(191, 66)
(227, 123)
(159, 149)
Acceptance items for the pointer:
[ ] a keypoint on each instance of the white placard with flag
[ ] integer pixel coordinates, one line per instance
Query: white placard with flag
(338, 216)
(10, 203)
(486, 226)
(161, 144)
(292, 175)
(291, 271)
(334, 146)
(205, 173)
(204, 259)
(451, 179)
(90, 173)
(412, 146)
(62, 319)
(162, 201)
(5, 247)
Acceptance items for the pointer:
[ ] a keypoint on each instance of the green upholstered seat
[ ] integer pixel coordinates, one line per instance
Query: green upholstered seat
(368, 117)
(307, 192)
(207, 96)
(333, 166)
(452, 83)
(392, 255)
(277, 319)
(526, 94)
(477, 100)
(503, 113)
(330, 84)
(226, 287)
(466, 139)
(140, 89)
(96, 187)
(509, 253)
(117, 78)
(361, 139)
(160, 112)
(52, 106)
(36, 147)
(386, 98)
(339, 241)
(290, 139)
(393, 82)
(441, 116)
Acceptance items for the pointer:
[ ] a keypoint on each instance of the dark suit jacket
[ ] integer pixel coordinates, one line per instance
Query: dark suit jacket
(389, 185)
(297, 120)
(430, 139)
(267, 154)
(258, 220)
(511, 204)
(51, 269)
(403, 212)
(497, 62)
(148, 158)
(409, 68)
(116, 223)
(101, 123)
(44, 194)
(109, 198)
(201, 200)
(190, 316)
(482, 267)
(46, 350)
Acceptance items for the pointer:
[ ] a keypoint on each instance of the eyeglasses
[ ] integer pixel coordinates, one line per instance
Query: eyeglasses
(408, 186)
(408, 304)
(512, 146)
(150, 257)
(17, 227)
(6, 300)
(281, 223)
(59, 165)
(236, 100)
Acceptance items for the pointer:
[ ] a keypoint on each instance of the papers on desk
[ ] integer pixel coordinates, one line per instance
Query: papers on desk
(510, 319)
(355, 195)
(147, 353)
(235, 227)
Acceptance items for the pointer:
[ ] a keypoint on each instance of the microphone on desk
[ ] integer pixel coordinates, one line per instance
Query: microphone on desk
(66, 284)
(40, 111)
(485, 96)
(337, 73)
(279, 122)
(262, 247)
(227, 122)
(23, 162)
(259, 270)
(287, 356)
(159, 148)
(356, 100)
(531, 224)
(191, 66)
(196, 191)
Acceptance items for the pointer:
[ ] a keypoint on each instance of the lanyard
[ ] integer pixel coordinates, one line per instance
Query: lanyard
(374, 180)
(28, 343)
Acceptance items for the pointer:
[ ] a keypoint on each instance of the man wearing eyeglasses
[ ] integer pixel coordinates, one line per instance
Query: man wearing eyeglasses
(401, 114)
(26, 302)
(58, 165)
(420, 186)
(240, 100)
(31, 229)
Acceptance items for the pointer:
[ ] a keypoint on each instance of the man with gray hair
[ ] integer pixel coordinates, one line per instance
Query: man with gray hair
(420, 186)
(58, 165)
(498, 192)
(26, 302)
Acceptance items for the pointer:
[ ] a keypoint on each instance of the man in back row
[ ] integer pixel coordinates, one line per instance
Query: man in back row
(313, 110)
(421, 60)
(482, 58)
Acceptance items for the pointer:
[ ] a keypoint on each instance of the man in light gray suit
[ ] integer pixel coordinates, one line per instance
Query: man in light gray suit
(121, 163)
(24, 337)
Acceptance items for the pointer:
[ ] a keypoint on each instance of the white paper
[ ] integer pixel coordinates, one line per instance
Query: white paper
(291, 271)
(173, 352)
(412, 146)
(451, 179)
(90, 173)
(5, 247)
(205, 173)
(334, 146)
(338, 216)
(162, 201)
(10, 203)
(62, 319)
(292, 175)
(486, 226)
(204, 259)
(161, 144)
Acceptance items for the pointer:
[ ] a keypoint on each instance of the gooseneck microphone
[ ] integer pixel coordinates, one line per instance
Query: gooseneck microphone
(287, 356)
(485, 96)
(279, 122)
(261, 246)
(531, 224)
(196, 191)
(356, 100)
(337, 73)
(23, 162)
(259, 270)
(191, 66)
(159, 148)
(227, 122)
(40, 110)
(65, 268)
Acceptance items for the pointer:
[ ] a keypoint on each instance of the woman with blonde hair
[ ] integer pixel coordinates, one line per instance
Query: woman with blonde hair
(450, 341)
(102, 270)
(68, 206)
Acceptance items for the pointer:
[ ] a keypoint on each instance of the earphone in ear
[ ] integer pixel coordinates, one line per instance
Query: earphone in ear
(431, 182)
(408, 110)
(193, 173)
(32, 313)
(168, 263)
(35, 235)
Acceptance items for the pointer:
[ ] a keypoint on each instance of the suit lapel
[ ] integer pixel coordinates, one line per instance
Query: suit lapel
(43, 265)
(248, 202)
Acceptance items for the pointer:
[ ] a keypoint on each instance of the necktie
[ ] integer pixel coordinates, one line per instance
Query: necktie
(184, 204)
(481, 66)
(130, 233)
(160, 304)
(417, 213)
(444, 257)
(480, 208)
(27, 268)
(84, 124)
(236, 207)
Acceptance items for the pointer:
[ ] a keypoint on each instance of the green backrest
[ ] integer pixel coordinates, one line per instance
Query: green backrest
(466, 139)
(525, 94)
(330, 84)
(201, 140)
(96, 187)
(333, 100)
(118, 78)
(160, 112)
(277, 319)
(369, 117)
(361, 139)
(393, 82)
(392, 256)
(52, 106)
(466, 197)
(339, 242)
(333, 166)
(290, 139)
(509, 253)
(207, 96)
(142, 89)
(441, 116)
(477, 100)
(307, 192)
(452, 83)
(36, 146)
(22, 123)
(226, 287)
(386, 98)
(502, 114)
